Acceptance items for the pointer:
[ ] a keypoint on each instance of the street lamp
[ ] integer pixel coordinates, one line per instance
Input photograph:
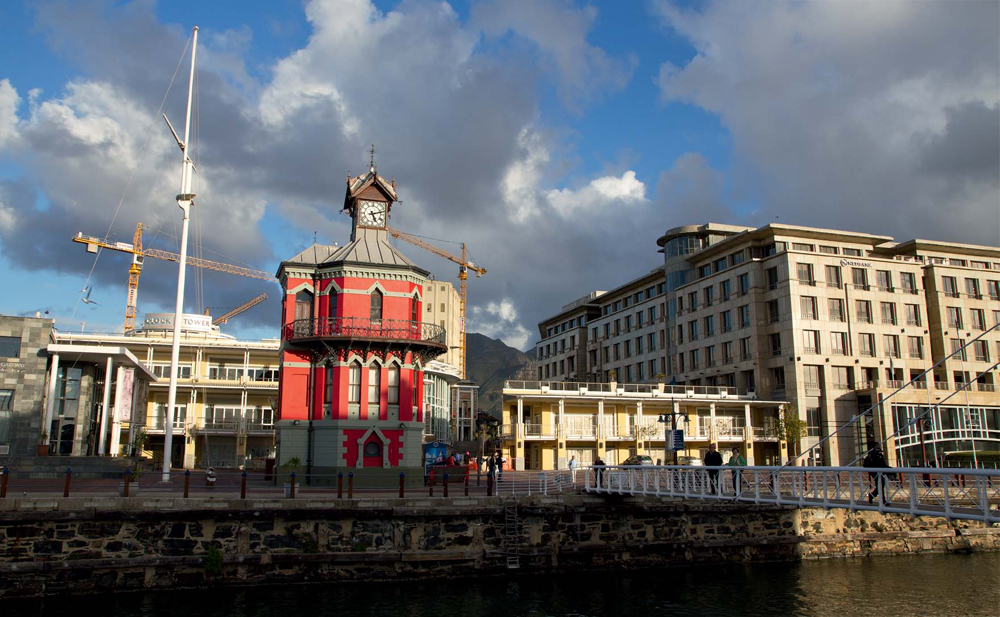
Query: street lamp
(673, 429)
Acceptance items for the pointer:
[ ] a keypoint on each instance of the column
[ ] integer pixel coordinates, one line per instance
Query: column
(640, 446)
(782, 445)
(519, 435)
(561, 461)
(101, 434)
(116, 425)
(241, 431)
(748, 438)
(50, 403)
(190, 418)
(711, 423)
(600, 428)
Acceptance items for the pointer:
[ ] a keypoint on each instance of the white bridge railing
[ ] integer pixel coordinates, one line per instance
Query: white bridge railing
(972, 494)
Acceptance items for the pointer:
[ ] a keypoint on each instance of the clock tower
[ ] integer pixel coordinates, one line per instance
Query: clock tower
(350, 386)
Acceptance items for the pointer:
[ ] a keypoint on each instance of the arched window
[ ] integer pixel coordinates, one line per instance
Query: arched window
(413, 308)
(393, 375)
(413, 390)
(332, 311)
(354, 383)
(372, 448)
(376, 306)
(303, 305)
(328, 392)
(374, 383)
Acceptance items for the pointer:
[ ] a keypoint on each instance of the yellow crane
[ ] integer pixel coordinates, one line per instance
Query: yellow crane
(139, 255)
(463, 266)
(249, 304)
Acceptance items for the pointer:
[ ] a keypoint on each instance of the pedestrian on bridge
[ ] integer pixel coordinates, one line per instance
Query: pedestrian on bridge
(875, 459)
(736, 461)
(573, 465)
(713, 459)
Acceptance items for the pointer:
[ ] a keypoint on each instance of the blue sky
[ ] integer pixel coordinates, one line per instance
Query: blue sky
(558, 138)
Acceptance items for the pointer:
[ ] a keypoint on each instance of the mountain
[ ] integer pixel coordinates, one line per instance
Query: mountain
(490, 362)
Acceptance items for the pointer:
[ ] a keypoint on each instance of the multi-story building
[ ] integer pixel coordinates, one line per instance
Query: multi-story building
(442, 306)
(833, 322)
(561, 352)
(626, 342)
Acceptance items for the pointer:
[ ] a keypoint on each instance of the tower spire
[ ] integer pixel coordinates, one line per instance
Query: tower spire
(371, 163)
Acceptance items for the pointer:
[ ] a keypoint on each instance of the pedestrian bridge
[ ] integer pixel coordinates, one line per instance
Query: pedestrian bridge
(972, 494)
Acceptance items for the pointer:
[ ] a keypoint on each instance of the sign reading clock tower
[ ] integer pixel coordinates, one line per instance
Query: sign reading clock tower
(350, 386)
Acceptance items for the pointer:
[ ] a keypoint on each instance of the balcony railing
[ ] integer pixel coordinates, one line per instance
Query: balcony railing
(365, 328)
(539, 430)
(986, 387)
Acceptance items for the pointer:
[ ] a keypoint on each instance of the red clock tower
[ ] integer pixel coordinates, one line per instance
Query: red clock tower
(350, 389)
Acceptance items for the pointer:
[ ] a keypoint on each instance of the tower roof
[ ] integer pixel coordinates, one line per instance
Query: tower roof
(370, 249)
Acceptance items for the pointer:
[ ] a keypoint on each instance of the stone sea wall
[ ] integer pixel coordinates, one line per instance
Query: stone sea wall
(103, 544)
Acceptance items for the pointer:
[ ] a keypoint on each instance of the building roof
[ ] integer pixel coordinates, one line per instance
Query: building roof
(369, 248)
(359, 183)
(120, 356)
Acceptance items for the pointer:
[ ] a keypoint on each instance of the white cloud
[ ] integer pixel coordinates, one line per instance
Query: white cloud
(499, 320)
(9, 101)
(600, 192)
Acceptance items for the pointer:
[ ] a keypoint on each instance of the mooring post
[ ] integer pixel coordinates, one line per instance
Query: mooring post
(446, 484)
(128, 479)
(340, 485)
(292, 493)
(69, 474)
(401, 484)
(243, 486)
(350, 485)
(187, 483)
(4, 472)
(466, 482)
(431, 484)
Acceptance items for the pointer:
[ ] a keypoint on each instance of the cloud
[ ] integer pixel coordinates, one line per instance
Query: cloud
(876, 116)
(9, 102)
(500, 320)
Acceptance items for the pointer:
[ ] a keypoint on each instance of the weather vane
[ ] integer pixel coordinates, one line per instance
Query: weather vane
(371, 163)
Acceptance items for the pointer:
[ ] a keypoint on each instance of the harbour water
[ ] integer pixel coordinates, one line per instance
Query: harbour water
(877, 586)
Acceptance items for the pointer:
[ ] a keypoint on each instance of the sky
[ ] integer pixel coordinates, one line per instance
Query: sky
(558, 139)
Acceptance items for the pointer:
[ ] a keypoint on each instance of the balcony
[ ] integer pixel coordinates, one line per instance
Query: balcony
(985, 387)
(941, 385)
(539, 431)
(365, 329)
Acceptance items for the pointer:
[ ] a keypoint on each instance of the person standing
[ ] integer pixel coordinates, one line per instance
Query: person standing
(499, 458)
(573, 464)
(491, 475)
(875, 459)
(713, 459)
(736, 461)
(599, 470)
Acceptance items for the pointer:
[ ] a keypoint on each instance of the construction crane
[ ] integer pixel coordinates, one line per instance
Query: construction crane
(249, 304)
(139, 255)
(463, 266)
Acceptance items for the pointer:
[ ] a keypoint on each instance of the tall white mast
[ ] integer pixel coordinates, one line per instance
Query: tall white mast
(185, 200)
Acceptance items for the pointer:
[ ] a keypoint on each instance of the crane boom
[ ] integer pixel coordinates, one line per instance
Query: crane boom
(249, 304)
(463, 266)
(138, 256)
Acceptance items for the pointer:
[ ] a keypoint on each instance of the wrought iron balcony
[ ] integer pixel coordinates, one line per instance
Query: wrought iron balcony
(363, 328)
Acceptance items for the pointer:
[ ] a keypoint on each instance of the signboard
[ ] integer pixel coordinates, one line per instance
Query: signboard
(677, 439)
(124, 391)
(434, 453)
(855, 263)
(165, 321)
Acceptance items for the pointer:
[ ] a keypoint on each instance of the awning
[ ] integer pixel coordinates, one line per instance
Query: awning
(99, 354)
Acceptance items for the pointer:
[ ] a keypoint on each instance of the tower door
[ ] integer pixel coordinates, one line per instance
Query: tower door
(373, 452)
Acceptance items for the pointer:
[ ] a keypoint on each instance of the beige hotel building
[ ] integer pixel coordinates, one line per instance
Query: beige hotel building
(827, 322)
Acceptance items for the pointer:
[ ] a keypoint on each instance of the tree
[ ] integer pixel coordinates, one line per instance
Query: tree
(791, 429)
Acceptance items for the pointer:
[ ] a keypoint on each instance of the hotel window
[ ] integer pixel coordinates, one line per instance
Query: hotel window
(863, 311)
(393, 377)
(651, 312)
(978, 319)
(993, 287)
(810, 340)
(772, 311)
(628, 349)
(618, 326)
(638, 345)
(775, 340)
(981, 351)
(883, 280)
(710, 326)
(889, 313)
(607, 330)
(805, 274)
(743, 281)
(638, 371)
(778, 376)
(638, 319)
(710, 355)
(842, 377)
(693, 330)
(956, 348)
(744, 315)
(954, 317)
(891, 343)
(772, 278)
(727, 352)
(866, 345)
(916, 346)
(813, 421)
(651, 341)
(607, 354)
(737, 258)
(693, 301)
(807, 306)
(628, 323)
(694, 354)
(704, 271)
(836, 308)
(618, 349)
(721, 264)
(376, 305)
(354, 383)
(797, 246)
(949, 286)
(829, 250)
(725, 289)
(833, 276)
(374, 384)
(709, 293)
(726, 318)
(745, 352)
(852, 252)
(912, 315)
(859, 277)
(838, 342)
(680, 334)
(972, 288)
(909, 282)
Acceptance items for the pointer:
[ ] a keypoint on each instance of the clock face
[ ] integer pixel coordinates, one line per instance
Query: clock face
(371, 213)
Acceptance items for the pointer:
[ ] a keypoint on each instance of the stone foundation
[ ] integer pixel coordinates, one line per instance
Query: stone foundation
(103, 544)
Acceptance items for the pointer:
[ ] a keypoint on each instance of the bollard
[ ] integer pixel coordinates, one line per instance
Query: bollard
(340, 485)
(128, 479)
(401, 484)
(4, 472)
(69, 474)
(243, 486)
(187, 482)
(446, 484)
(350, 485)
(466, 482)
(431, 484)
(292, 492)
(489, 486)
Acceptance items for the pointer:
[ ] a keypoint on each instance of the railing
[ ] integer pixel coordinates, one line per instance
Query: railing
(158, 423)
(986, 387)
(362, 327)
(584, 388)
(539, 430)
(972, 494)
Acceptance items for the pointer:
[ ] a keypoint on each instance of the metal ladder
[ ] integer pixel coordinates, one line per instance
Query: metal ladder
(512, 533)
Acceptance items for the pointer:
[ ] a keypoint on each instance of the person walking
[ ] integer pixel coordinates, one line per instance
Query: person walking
(736, 461)
(491, 475)
(573, 464)
(713, 459)
(875, 459)
(499, 458)
(599, 470)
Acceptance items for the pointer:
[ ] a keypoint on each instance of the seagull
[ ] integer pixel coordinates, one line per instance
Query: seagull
(86, 298)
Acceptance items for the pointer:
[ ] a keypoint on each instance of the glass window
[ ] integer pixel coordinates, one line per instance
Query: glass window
(328, 392)
(909, 282)
(744, 314)
(950, 286)
(836, 308)
(954, 317)
(863, 310)
(775, 340)
(805, 273)
(891, 342)
(354, 383)
(807, 305)
(744, 283)
(334, 299)
(813, 421)
(838, 341)
(376, 306)
(916, 346)
(393, 376)
(884, 280)
(772, 278)
(859, 276)
(833, 276)
(866, 343)
(303, 305)
(772, 311)
(726, 317)
(810, 340)
(10, 347)
(374, 384)
(912, 315)
(888, 313)
(972, 288)
(68, 391)
(710, 326)
(778, 375)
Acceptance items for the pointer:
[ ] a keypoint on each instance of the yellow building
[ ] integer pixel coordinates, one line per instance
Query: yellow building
(546, 423)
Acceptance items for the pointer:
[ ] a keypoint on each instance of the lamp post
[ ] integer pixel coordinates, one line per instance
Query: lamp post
(668, 443)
